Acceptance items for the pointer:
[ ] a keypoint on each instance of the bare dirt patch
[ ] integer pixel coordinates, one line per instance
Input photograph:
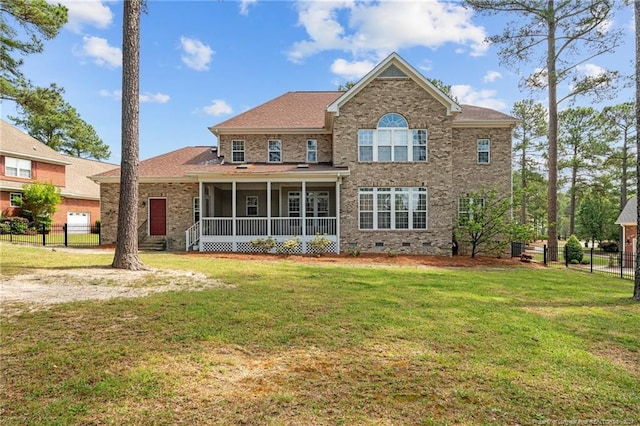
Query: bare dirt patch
(43, 287)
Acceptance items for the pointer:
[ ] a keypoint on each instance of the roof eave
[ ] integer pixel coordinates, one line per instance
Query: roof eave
(483, 124)
(268, 130)
(34, 157)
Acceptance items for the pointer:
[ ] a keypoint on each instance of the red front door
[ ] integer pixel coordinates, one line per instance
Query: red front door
(158, 216)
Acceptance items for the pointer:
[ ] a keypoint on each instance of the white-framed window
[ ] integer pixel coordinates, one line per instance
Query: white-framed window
(312, 151)
(237, 151)
(196, 209)
(468, 205)
(392, 208)
(275, 151)
(484, 151)
(393, 141)
(294, 204)
(17, 167)
(15, 199)
(252, 205)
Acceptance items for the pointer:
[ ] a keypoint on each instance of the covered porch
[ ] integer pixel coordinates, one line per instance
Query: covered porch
(232, 212)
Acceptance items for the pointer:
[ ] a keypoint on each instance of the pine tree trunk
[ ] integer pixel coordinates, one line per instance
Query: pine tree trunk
(552, 196)
(636, 287)
(126, 255)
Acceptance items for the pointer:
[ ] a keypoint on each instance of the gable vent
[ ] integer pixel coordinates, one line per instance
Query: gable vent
(392, 71)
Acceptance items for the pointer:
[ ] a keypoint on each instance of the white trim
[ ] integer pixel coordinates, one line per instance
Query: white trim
(410, 71)
(34, 157)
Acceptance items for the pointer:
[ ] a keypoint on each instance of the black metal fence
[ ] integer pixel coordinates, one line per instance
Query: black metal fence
(617, 264)
(55, 235)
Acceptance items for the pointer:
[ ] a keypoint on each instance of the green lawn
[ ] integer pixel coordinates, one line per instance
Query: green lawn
(53, 239)
(330, 343)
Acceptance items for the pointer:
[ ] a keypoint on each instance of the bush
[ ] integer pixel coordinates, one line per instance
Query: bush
(573, 250)
(15, 225)
(585, 261)
(289, 246)
(264, 245)
(320, 244)
(609, 246)
(353, 251)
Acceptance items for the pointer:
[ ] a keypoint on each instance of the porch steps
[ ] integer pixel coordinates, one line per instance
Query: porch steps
(152, 244)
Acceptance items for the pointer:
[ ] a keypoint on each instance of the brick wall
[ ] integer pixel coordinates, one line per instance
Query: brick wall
(67, 205)
(405, 97)
(42, 172)
(179, 209)
(294, 147)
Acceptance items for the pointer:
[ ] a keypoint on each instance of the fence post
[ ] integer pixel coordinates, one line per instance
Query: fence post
(44, 236)
(11, 233)
(591, 261)
(621, 264)
(566, 256)
(64, 229)
(98, 225)
(544, 255)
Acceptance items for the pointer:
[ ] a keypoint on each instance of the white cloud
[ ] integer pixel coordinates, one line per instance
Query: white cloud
(218, 107)
(155, 98)
(102, 54)
(484, 98)
(351, 70)
(146, 97)
(87, 12)
(197, 55)
(591, 70)
(244, 6)
(375, 29)
(491, 76)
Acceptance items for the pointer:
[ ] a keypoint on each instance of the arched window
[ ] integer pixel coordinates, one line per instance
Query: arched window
(393, 120)
(391, 140)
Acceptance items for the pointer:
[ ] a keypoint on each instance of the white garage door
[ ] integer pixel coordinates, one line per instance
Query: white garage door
(78, 223)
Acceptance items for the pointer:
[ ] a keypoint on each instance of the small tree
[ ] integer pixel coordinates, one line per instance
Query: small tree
(40, 200)
(484, 223)
(595, 218)
(574, 251)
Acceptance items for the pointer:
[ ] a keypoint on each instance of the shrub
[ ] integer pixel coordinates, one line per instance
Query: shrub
(290, 246)
(585, 261)
(264, 245)
(574, 262)
(353, 251)
(609, 246)
(573, 250)
(320, 244)
(15, 225)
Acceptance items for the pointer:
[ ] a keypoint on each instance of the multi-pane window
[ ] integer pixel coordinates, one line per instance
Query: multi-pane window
(15, 199)
(196, 209)
(392, 208)
(252, 205)
(237, 151)
(317, 204)
(469, 207)
(275, 151)
(17, 167)
(484, 151)
(312, 151)
(391, 141)
(294, 204)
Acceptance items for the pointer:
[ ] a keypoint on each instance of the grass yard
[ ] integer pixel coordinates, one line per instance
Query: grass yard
(330, 343)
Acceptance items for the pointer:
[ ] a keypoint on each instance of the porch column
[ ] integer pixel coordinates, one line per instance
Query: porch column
(338, 184)
(303, 208)
(233, 214)
(268, 208)
(201, 207)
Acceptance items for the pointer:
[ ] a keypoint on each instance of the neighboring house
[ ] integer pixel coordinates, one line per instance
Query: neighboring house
(25, 160)
(629, 222)
(383, 167)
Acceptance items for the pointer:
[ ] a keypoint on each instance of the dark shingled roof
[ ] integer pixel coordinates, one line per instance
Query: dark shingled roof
(476, 113)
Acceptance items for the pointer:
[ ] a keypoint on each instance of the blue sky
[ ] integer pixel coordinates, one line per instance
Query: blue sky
(203, 62)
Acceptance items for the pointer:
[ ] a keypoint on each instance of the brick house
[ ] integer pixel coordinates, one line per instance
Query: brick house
(385, 166)
(25, 160)
(628, 221)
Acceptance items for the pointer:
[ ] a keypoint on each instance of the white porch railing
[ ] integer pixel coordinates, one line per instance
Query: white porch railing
(192, 236)
(236, 234)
